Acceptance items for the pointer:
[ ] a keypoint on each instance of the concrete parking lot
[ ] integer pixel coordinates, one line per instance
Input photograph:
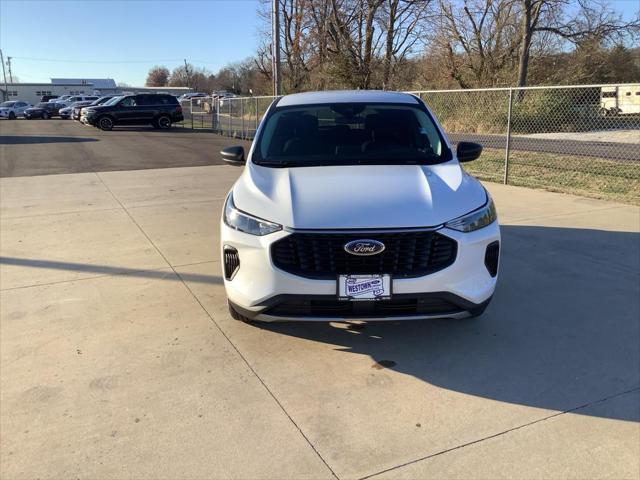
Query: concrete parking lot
(118, 358)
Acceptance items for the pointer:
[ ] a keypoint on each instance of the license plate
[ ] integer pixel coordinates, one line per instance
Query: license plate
(364, 287)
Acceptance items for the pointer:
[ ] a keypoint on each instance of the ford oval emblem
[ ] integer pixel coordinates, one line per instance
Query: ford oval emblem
(364, 247)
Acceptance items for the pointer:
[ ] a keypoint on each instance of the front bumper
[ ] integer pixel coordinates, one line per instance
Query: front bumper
(258, 287)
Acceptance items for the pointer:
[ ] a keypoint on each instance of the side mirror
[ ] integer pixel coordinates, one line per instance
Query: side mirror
(233, 155)
(468, 151)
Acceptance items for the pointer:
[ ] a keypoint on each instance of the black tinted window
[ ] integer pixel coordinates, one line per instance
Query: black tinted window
(147, 100)
(129, 102)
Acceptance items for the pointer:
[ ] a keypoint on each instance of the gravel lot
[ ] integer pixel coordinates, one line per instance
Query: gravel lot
(118, 358)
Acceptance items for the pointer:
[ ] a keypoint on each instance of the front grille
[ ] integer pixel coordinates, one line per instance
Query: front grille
(332, 307)
(322, 255)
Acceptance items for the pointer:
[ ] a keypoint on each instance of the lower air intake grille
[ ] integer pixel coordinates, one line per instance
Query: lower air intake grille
(343, 309)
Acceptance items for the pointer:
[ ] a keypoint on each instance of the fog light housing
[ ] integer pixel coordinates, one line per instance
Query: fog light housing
(491, 257)
(231, 262)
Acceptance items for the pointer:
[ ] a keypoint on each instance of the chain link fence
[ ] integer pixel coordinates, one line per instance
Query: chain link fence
(576, 139)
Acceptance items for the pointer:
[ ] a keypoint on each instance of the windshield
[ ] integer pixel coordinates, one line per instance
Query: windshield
(349, 134)
(113, 101)
(100, 101)
(7, 104)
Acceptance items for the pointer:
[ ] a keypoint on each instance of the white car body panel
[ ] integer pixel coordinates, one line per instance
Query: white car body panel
(361, 198)
(354, 196)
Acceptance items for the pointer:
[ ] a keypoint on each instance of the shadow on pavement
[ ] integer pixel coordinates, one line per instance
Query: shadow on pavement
(26, 139)
(562, 330)
(164, 273)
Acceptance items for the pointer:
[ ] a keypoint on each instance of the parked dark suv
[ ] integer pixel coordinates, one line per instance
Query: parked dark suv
(159, 110)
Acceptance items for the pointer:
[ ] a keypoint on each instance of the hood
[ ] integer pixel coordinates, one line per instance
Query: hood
(358, 196)
(34, 109)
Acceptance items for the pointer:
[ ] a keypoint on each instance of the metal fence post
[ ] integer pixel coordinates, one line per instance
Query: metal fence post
(507, 149)
(191, 111)
(218, 129)
(230, 127)
(256, 130)
(242, 116)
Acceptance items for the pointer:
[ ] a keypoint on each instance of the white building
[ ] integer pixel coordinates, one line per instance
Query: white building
(33, 92)
(103, 86)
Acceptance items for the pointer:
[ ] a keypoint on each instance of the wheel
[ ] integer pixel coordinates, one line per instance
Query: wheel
(105, 123)
(236, 315)
(155, 125)
(164, 122)
(45, 115)
(604, 112)
(12, 116)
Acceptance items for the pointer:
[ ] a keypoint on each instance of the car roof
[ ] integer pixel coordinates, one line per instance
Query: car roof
(347, 96)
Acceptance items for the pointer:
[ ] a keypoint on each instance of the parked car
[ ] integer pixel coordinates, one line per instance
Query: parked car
(13, 109)
(160, 111)
(188, 96)
(100, 101)
(44, 110)
(77, 98)
(60, 99)
(65, 112)
(74, 109)
(46, 98)
(352, 205)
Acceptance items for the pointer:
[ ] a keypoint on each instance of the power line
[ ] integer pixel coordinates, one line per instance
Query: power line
(94, 61)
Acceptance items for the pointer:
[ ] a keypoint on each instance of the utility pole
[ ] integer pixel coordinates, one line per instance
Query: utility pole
(9, 67)
(6, 88)
(186, 69)
(275, 41)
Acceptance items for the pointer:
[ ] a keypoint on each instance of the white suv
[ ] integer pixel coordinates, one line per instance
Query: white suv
(67, 102)
(352, 205)
(13, 109)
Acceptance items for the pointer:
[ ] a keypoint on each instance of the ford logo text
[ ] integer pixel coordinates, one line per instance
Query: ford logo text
(364, 248)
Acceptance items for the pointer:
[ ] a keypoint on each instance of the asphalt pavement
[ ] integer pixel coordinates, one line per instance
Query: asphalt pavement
(605, 150)
(45, 147)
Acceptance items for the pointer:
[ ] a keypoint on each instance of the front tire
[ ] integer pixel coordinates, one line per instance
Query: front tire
(105, 123)
(164, 122)
(45, 116)
(12, 116)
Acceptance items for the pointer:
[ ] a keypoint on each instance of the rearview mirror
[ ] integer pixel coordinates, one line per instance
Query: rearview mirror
(468, 151)
(233, 155)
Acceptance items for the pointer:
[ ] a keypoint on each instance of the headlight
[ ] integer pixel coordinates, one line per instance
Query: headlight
(475, 220)
(247, 223)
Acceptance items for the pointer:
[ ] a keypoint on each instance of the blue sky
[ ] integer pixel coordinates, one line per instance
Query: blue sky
(151, 32)
(127, 37)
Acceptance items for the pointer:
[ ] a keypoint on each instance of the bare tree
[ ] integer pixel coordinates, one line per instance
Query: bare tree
(479, 40)
(403, 22)
(157, 77)
(594, 21)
